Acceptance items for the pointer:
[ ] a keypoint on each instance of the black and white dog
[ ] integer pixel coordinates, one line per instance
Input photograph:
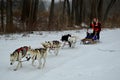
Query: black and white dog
(71, 40)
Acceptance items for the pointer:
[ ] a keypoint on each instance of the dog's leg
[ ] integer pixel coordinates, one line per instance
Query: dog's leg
(19, 61)
(40, 63)
(17, 66)
(56, 51)
(44, 61)
(70, 44)
(20, 57)
(73, 45)
(50, 51)
(20, 64)
(33, 60)
(63, 45)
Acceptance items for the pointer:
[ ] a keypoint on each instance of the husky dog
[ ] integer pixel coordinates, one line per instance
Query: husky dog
(17, 55)
(64, 39)
(52, 45)
(38, 54)
(71, 40)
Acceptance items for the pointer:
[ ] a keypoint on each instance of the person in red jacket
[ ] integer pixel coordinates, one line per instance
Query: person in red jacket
(96, 26)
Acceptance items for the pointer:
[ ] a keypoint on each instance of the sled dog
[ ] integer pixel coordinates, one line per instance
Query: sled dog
(38, 54)
(17, 55)
(71, 40)
(64, 39)
(52, 45)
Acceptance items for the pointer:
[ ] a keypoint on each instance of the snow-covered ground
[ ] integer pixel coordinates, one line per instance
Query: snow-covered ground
(84, 62)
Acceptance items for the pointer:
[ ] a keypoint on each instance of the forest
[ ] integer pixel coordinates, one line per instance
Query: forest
(56, 15)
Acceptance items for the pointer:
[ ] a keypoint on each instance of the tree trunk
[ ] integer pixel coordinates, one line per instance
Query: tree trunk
(93, 9)
(2, 16)
(100, 10)
(51, 15)
(64, 7)
(81, 11)
(68, 12)
(30, 18)
(33, 13)
(9, 17)
(29, 13)
(108, 8)
(72, 13)
(77, 12)
(25, 10)
(35, 10)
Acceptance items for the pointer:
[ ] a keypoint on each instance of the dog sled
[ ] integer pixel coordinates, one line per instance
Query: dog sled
(90, 39)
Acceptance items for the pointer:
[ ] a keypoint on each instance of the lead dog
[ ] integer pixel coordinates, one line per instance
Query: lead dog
(38, 54)
(17, 55)
(71, 40)
(64, 39)
(52, 45)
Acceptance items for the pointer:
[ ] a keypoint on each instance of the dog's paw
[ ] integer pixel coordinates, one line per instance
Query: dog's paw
(39, 67)
(15, 69)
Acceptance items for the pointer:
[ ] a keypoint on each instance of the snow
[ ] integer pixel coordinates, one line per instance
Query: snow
(84, 62)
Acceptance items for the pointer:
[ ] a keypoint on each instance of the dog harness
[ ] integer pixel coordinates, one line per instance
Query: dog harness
(23, 50)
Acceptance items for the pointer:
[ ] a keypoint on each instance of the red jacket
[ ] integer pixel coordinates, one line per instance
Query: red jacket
(96, 26)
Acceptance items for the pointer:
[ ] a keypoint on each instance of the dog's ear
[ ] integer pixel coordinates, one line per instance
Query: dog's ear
(42, 44)
(11, 54)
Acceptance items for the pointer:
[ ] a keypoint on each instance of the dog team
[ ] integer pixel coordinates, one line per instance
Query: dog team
(40, 54)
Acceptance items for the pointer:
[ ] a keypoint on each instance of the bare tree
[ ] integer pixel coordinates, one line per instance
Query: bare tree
(63, 14)
(2, 15)
(25, 10)
(100, 10)
(81, 10)
(9, 17)
(110, 5)
(33, 13)
(72, 13)
(93, 9)
(68, 11)
(51, 16)
(29, 13)
(77, 11)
